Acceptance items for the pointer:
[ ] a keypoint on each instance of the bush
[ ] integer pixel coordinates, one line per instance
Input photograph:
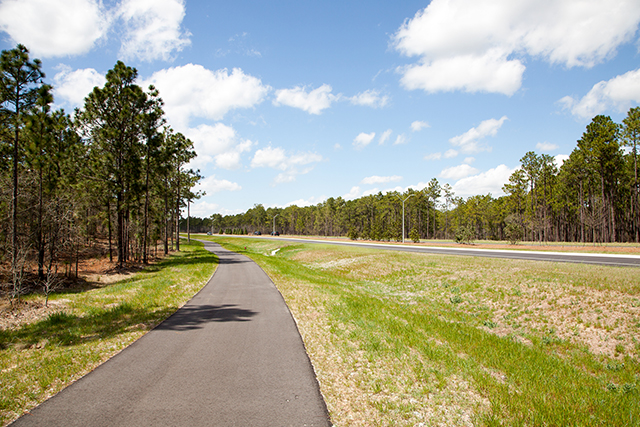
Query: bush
(513, 231)
(465, 235)
(353, 234)
(414, 235)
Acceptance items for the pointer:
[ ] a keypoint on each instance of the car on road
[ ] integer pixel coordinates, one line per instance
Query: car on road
(275, 233)
(257, 233)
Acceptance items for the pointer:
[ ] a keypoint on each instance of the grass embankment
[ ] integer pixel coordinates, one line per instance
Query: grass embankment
(40, 358)
(416, 339)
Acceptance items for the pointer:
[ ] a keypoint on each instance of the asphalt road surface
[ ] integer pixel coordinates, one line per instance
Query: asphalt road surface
(232, 356)
(581, 258)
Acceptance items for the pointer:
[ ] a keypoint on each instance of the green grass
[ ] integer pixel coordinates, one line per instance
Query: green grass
(39, 359)
(405, 339)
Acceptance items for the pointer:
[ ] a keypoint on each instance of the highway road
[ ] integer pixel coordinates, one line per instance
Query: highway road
(581, 258)
(232, 356)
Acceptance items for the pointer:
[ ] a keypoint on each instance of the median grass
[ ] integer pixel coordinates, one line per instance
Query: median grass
(418, 339)
(40, 358)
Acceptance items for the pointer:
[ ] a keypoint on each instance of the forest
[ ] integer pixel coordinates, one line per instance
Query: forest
(110, 179)
(593, 197)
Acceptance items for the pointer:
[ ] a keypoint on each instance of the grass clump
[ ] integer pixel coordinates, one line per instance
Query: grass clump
(38, 359)
(391, 346)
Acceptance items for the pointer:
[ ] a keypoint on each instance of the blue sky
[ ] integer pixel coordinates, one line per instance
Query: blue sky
(292, 102)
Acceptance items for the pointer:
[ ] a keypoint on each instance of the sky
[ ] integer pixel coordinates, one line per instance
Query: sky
(295, 101)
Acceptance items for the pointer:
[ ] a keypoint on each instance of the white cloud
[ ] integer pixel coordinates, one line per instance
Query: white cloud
(385, 136)
(270, 157)
(212, 185)
(194, 91)
(74, 86)
(479, 46)
(290, 165)
(202, 209)
(370, 98)
(458, 172)
(354, 193)
(152, 29)
(51, 28)
(487, 182)
(401, 139)
(471, 73)
(560, 159)
(419, 125)
(363, 139)
(619, 93)
(217, 144)
(469, 142)
(450, 153)
(469, 160)
(309, 202)
(433, 156)
(313, 102)
(546, 146)
(381, 179)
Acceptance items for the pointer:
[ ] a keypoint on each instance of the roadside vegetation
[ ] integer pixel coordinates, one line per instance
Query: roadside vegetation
(591, 197)
(416, 339)
(82, 328)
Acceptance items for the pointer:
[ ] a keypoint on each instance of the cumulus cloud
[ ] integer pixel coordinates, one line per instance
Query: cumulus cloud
(308, 202)
(354, 193)
(218, 144)
(458, 172)
(546, 146)
(560, 159)
(291, 165)
(381, 179)
(487, 182)
(152, 29)
(313, 102)
(213, 185)
(74, 86)
(202, 209)
(385, 136)
(469, 142)
(370, 98)
(479, 46)
(618, 94)
(450, 153)
(194, 91)
(51, 28)
(363, 139)
(419, 125)
(433, 156)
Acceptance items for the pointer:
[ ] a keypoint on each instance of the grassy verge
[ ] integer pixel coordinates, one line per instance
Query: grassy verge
(418, 339)
(39, 359)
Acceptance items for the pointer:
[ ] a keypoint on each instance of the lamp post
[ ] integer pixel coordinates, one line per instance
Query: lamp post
(274, 224)
(404, 200)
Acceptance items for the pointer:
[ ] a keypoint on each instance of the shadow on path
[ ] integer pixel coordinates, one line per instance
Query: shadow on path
(189, 318)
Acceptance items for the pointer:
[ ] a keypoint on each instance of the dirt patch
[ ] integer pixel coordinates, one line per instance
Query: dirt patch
(92, 273)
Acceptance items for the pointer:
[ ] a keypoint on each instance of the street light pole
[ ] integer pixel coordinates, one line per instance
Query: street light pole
(404, 200)
(274, 224)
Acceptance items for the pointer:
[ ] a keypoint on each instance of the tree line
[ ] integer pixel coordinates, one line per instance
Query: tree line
(112, 174)
(593, 197)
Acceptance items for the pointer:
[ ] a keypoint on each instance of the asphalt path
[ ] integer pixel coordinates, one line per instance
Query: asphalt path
(581, 258)
(232, 356)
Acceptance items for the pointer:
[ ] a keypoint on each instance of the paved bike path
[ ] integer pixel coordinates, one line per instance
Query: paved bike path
(232, 356)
